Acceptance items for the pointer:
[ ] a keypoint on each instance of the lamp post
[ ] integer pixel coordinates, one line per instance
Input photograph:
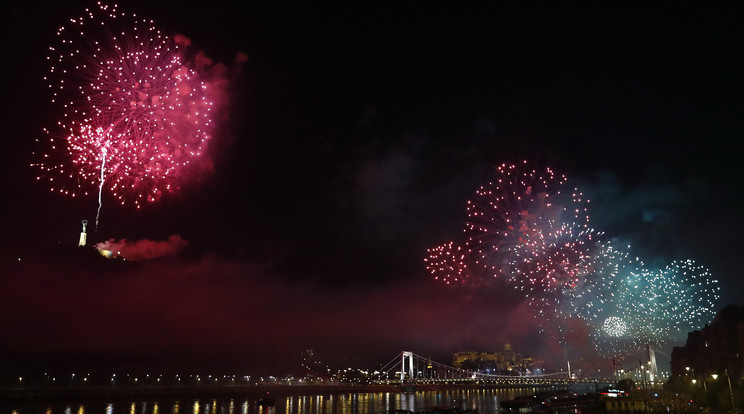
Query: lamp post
(731, 392)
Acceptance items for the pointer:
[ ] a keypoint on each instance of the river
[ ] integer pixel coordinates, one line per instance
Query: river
(484, 400)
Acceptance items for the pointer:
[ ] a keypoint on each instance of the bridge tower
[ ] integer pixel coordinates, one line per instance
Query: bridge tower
(651, 358)
(406, 355)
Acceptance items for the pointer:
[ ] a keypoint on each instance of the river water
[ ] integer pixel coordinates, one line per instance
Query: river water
(484, 400)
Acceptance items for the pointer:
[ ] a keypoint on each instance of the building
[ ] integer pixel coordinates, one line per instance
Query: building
(718, 348)
(506, 362)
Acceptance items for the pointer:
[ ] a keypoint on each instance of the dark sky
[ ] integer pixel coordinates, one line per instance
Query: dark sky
(347, 145)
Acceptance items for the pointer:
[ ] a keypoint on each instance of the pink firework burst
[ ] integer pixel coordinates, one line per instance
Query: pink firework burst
(560, 257)
(523, 228)
(520, 210)
(135, 112)
(447, 263)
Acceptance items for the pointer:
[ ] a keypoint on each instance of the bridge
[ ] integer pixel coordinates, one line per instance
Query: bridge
(410, 368)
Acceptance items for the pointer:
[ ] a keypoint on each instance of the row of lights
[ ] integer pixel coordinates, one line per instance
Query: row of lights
(715, 377)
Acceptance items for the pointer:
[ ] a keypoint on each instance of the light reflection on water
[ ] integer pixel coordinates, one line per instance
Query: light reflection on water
(486, 401)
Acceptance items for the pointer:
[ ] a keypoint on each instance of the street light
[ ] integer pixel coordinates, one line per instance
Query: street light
(731, 392)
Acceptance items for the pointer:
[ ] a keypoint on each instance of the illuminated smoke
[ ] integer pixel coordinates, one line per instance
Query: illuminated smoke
(143, 249)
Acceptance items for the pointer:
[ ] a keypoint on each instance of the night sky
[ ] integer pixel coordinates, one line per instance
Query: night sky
(347, 144)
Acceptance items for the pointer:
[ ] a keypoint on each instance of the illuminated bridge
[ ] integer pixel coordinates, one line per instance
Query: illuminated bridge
(409, 368)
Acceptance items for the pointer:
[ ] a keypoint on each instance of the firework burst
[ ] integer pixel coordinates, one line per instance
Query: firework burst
(520, 211)
(593, 301)
(561, 260)
(630, 306)
(669, 301)
(696, 296)
(135, 114)
(447, 263)
(528, 230)
(524, 228)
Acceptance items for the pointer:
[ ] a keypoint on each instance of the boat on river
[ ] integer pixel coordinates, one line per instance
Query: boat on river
(266, 401)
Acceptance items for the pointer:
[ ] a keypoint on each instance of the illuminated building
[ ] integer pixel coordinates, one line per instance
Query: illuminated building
(83, 234)
(505, 362)
(718, 348)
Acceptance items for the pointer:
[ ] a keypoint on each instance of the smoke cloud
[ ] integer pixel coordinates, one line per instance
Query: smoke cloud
(235, 313)
(144, 249)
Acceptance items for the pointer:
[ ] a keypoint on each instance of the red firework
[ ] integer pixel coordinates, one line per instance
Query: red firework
(523, 228)
(447, 263)
(135, 113)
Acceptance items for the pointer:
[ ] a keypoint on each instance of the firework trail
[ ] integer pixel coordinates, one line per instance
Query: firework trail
(135, 114)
